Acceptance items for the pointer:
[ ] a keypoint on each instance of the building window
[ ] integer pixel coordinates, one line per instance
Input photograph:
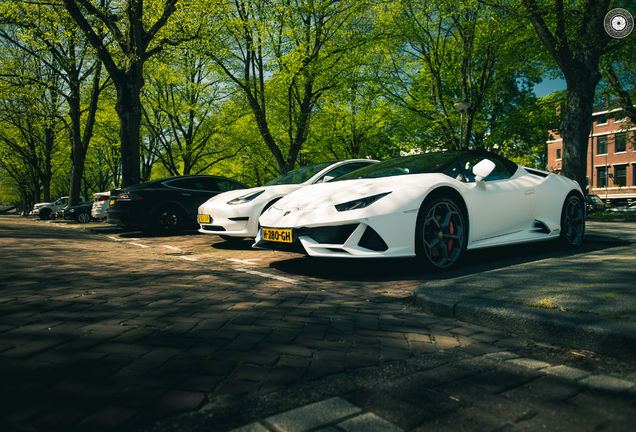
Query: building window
(620, 119)
(601, 145)
(601, 120)
(620, 176)
(558, 153)
(601, 177)
(620, 143)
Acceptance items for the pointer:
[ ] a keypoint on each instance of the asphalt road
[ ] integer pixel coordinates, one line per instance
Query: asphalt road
(103, 329)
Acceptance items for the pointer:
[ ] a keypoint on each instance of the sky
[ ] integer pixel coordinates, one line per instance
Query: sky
(549, 86)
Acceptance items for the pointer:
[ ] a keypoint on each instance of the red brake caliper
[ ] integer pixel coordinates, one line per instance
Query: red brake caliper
(451, 230)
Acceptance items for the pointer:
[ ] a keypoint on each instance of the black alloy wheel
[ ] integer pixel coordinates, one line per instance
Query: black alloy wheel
(572, 221)
(167, 220)
(441, 233)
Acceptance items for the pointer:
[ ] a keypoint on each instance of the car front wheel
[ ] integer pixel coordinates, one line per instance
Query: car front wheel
(572, 221)
(83, 218)
(45, 214)
(441, 233)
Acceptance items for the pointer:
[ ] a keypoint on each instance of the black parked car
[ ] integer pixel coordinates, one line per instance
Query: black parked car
(80, 213)
(165, 205)
(594, 203)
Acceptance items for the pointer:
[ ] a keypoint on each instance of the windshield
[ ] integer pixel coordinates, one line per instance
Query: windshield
(300, 175)
(418, 164)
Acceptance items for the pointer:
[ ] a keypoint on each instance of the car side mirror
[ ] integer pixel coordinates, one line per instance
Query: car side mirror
(327, 178)
(483, 169)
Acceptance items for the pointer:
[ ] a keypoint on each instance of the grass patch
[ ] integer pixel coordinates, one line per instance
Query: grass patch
(608, 215)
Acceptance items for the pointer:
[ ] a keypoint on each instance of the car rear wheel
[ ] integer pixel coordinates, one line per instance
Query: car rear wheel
(167, 220)
(441, 233)
(45, 214)
(83, 218)
(572, 221)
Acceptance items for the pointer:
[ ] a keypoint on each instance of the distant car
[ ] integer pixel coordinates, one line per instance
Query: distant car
(630, 208)
(234, 215)
(100, 205)
(167, 204)
(434, 206)
(594, 204)
(80, 213)
(46, 210)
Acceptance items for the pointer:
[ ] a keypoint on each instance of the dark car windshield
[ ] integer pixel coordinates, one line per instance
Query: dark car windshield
(300, 175)
(418, 164)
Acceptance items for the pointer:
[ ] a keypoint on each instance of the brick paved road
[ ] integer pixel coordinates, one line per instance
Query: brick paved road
(116, 330)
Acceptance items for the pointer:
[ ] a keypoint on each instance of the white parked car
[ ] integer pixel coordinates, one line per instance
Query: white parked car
(433, 205)
(47, 210)
(234, 214)
(100, 205)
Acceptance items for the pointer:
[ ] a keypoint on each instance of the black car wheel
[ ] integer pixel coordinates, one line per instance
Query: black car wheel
(168, 219)
(45, 214)
(441, 233)
(83, 218)
(572, 221)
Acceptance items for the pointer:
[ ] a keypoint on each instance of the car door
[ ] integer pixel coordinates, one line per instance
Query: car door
(500, 205)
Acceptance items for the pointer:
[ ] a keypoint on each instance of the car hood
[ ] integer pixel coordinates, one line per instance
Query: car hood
(338, 192)
(270, 191)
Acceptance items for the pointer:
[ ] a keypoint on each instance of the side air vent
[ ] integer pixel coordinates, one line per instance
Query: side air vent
(540, 227)
(537, 173)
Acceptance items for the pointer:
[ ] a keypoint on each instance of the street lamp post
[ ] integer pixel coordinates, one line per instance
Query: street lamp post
(461, 107)
(243, 159)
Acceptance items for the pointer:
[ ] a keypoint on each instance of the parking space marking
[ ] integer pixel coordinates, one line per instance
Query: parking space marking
(114, 238)
(270, 276)
(138, 244)
(172, 247)
(249, 261)
(188, 258)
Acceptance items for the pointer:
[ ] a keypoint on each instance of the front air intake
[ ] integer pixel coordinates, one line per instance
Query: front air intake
(372, 240)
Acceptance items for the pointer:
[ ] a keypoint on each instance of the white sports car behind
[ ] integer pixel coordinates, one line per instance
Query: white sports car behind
(234, 214)
(435, 205)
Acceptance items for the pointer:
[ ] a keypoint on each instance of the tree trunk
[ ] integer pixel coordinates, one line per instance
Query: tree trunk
(129, 110)
(577, 121)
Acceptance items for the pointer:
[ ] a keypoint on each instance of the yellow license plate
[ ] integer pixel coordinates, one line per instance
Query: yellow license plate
(203, 218)
(112, 202)
(277, 235)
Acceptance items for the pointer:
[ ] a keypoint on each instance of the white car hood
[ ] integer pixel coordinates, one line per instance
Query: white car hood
(269, 191)
(338, 192)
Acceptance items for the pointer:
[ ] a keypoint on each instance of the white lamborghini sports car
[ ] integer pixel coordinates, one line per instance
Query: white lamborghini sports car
(435, 205)
(234, 214)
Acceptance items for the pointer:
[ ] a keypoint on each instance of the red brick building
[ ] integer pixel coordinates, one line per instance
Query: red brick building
(611, 156)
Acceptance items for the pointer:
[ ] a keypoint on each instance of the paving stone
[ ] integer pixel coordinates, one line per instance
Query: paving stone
(322, 368)
(566, 372)
(529, 363)
(179, 400)
(368, 422)
(606, 382)
(281, 378)
(313, 415)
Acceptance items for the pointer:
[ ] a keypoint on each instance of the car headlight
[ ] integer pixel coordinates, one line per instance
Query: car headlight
(72, 210)
(245, 198)
(360, 203)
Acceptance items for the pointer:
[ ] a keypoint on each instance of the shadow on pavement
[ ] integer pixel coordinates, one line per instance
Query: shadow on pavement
(475, 261)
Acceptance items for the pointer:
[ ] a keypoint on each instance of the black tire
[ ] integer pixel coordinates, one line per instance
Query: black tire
(45, 214)
(83, 218)
(167, 220)
(572, 221)
(441, 233)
